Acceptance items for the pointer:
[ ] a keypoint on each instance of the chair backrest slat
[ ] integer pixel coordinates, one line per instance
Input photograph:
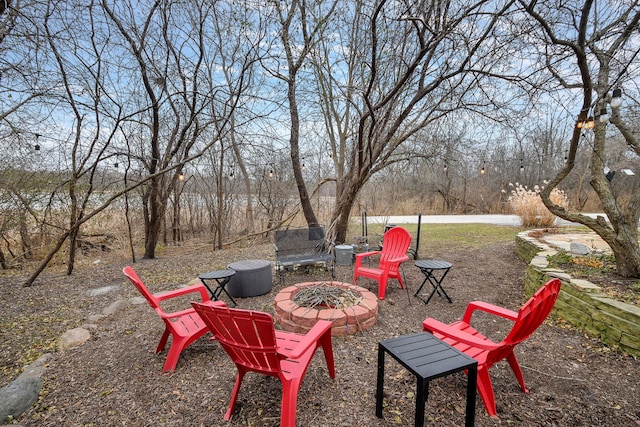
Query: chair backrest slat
(137, 282)
(395, 243)
(247, 336)
(534, 312)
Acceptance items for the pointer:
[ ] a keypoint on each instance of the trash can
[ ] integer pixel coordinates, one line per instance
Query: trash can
(344, 254)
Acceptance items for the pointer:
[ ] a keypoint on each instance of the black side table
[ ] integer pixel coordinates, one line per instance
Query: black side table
(428, 267)
(221, 277)
(427, 357)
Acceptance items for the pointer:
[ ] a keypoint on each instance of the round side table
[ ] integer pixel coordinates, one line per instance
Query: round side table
(253, 277)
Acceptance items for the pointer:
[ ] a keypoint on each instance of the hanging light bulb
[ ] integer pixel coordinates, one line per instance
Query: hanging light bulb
(180, 176)
(482, 170)
(270, 173)
(37, 146)
(304, 167)
(521, 165)
(445, 167)
(616, 98)
(579, 122)
(590, 123)
(604, 115)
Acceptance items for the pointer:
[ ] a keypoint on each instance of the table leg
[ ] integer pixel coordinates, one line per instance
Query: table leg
(436, 284)
(440, 285)
(380, 381)
(211, 292)
(222, 288)
(472, 378)
(421, 285)
(422, 394)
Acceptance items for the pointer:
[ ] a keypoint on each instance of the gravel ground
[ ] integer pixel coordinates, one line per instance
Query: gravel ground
(116, 378)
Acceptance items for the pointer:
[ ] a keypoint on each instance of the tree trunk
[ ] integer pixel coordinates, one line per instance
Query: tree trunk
(305, 201)
(153, 221)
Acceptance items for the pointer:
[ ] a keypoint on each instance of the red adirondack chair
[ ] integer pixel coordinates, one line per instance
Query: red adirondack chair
(184, 326)
(394, 252)
(254, 345)
(465, 338)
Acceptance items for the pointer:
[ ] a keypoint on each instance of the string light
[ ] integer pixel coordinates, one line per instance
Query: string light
(482, 170)
(521, 165)
(37, 147)
(616, 98)
(604, 115)
(180, 176)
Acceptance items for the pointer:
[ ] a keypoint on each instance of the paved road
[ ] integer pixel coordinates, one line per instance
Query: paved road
(513, 220)
(447, 219)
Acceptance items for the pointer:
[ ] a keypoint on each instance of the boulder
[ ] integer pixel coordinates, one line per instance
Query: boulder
(73, 338)
(579, 248)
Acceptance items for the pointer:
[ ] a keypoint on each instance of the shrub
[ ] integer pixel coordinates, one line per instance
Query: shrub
(527, 204)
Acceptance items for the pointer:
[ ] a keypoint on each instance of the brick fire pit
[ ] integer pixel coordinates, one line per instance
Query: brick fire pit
(346, 321)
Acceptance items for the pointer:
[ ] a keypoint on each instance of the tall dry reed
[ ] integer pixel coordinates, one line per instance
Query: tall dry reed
(527, 204)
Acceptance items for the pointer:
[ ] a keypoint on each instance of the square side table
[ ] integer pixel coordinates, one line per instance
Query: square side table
(428, 358)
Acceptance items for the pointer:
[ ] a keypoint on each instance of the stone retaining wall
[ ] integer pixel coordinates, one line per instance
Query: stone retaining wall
(581, 303)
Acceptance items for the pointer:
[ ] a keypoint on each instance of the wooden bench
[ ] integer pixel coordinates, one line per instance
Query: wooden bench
(302, 247)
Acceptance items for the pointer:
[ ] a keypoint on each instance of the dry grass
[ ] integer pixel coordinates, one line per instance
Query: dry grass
(527, 204)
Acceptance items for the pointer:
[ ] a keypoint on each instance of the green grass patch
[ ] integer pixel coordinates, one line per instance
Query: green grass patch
(467, 235)
(461, 235)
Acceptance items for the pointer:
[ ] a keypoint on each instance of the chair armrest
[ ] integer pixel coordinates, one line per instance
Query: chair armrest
(197, 288)
(435, 326)
(310, 339)
(366, 254)
(174, 314)
(398, 260)
(488, 308)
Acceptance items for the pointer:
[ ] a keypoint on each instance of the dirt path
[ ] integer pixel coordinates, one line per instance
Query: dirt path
(116, 379)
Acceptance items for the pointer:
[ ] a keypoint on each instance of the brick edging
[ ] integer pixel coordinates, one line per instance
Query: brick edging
(346, 321)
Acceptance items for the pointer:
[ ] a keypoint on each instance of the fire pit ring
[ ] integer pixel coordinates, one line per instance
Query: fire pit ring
(346, 321)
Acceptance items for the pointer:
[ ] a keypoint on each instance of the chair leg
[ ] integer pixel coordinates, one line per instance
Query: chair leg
(382, 285)
(382, 289)
(288, 406)
(515, 367)
(485, 389)
(234, 393)
(327, 348)
(178, 344)
(163, 340)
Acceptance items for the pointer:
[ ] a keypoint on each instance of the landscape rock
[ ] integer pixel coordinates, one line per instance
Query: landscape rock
(114, 307)
(102, 290)
(579, 248)
(95, 317)
(73, 338)
(137, 300)
(18, 396)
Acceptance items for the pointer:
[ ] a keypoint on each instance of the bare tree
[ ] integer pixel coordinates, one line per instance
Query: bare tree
(300, 24)
(601, 39)
(182, 113)
(410, 65)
